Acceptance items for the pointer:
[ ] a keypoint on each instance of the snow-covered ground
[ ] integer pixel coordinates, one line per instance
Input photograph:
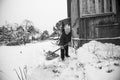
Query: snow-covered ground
(92, 61)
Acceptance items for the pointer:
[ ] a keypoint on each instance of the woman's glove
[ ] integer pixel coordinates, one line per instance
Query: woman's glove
(62, 47)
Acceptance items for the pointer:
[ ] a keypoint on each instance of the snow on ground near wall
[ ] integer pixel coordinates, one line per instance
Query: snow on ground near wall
(30, 55)
(92, 61)
(98, 58)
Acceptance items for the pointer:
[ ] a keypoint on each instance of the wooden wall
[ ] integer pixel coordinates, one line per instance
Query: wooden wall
(74, 18)
(102, 26)
(99, 27)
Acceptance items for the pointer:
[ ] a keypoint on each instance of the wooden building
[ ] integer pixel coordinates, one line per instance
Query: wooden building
(94, 20)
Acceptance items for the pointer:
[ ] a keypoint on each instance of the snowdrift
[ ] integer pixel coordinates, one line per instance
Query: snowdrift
(92, 61)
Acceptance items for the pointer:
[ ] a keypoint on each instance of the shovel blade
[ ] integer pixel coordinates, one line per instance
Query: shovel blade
(51, 55)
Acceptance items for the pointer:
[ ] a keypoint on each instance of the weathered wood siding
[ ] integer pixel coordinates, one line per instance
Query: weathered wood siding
(74, 18)
(101, 26)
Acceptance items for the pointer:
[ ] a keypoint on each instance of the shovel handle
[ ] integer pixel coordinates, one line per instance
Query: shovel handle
(56, 50)
(59, 48)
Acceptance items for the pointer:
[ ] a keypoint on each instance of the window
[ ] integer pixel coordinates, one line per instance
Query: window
(92, 7)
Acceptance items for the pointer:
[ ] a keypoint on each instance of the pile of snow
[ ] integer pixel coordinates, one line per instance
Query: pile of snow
(93, 51)
(84, 64)
(29, 55)
(92, 61)
(99, 59)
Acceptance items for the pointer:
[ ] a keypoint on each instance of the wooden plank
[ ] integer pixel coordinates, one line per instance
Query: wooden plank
(108, 5)
(74, 12)
(97, 6)
(101, 6)
(74, 17)
(80, 2)
(92, 7)
(84, 7)
(114, 6)
(105, 6)
(69, 8)
(88, 7)
(78, 39)
(78, 7)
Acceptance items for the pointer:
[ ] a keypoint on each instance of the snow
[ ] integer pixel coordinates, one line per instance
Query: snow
(92, 61)
(94, 52)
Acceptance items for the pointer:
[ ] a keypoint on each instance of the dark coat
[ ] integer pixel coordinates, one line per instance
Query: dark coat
(65, 38)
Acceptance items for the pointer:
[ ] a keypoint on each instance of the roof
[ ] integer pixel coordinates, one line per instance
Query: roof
(66, 21)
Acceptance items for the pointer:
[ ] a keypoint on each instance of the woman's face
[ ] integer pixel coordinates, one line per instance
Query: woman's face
(67, 29)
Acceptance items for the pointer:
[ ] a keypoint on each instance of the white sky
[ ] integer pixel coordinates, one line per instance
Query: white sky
(43, 13)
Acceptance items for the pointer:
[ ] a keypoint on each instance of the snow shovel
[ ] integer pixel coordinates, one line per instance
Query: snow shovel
(52, 55)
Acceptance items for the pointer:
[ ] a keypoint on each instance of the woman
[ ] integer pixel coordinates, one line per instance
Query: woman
(65, 40)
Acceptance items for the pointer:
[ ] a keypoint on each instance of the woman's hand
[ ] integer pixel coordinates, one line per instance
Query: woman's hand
(62, 47)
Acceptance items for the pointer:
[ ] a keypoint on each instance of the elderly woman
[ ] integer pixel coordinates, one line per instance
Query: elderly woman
(65, 40)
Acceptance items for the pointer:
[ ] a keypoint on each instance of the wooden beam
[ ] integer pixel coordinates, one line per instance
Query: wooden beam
(105, 6)
(114, 6)
(80, 2)
(97, 6)
(69, 8)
